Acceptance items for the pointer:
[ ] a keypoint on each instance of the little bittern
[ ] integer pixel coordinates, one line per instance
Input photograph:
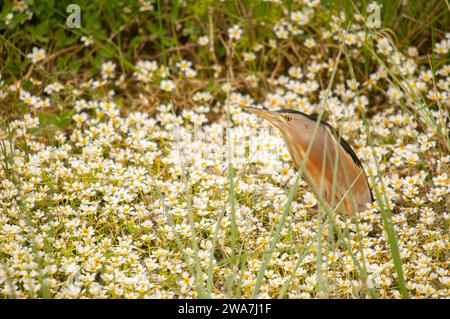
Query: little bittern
(331, 168)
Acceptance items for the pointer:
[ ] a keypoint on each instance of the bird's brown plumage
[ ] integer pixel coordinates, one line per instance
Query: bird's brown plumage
(328, 161)
(331, 168)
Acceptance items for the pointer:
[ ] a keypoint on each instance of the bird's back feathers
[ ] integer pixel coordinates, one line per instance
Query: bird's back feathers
(343, 143)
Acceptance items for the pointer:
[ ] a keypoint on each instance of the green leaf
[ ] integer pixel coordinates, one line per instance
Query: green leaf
(14, 67)
(52, 119)
(68, 113)
(106, 52)
(39, 30)
(64, 123)
(36, 131)
(27, 85)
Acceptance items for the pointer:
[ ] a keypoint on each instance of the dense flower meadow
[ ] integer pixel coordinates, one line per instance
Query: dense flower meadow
(109, 200)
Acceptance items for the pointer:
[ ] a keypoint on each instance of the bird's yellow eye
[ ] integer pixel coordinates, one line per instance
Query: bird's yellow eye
(288, 117)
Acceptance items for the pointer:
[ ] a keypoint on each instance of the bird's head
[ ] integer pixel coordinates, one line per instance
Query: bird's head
(293, 124)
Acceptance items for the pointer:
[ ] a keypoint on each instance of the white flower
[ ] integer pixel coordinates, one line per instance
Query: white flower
(146, 6)
(235, 32)
(53, 87)
(145, 70)
(309, 199)
(310, 43)
(8, 18)
(204, 40)
(190, 73)
(108, 69)
(71, 291)
(249, 56)
(384, 46)
(442, 47)
(37, 55)
(87, 40)
(183, 65)
(167, 85)
(300, 17)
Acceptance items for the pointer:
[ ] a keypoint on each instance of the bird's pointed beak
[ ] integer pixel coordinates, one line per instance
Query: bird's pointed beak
(272, 117)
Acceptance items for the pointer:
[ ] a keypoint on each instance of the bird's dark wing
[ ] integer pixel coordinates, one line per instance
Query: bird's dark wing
(349, 151)
(347, 148)
(338, 137)
(342, 141)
